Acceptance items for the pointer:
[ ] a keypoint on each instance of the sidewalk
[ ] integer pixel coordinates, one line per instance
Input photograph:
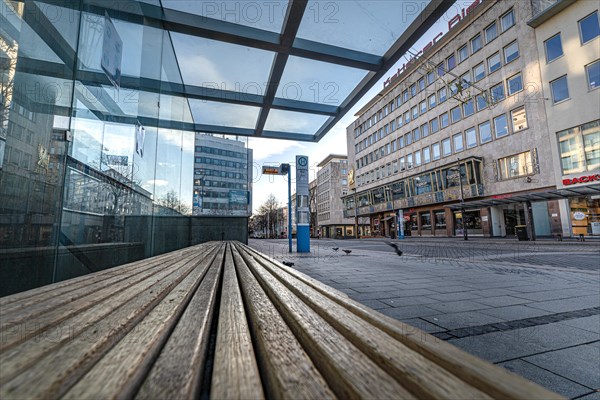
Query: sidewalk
(540, 321)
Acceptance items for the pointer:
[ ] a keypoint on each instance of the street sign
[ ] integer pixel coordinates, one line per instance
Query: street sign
(283, 169)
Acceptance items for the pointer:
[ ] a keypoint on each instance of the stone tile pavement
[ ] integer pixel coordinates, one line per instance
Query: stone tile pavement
(540, 321)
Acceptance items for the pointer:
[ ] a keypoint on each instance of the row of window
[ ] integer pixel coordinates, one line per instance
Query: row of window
(589, 29)
(220, 184)
(559, 87)
(220, 152)
(514, 85)
(507, 20)
(203, 172)
(484, 133)
(222, 163)
(579, 148)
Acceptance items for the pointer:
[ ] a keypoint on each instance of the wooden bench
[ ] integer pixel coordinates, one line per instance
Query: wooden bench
(223, 321)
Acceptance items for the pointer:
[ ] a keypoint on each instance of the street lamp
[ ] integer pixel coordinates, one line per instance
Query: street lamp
(462, 200)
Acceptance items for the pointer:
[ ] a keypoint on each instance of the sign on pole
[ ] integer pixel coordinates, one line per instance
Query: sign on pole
(302, 205)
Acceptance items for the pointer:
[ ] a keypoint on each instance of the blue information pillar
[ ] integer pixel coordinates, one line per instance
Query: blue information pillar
(302, 206)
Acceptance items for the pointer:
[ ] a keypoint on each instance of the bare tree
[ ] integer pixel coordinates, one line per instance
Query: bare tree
(268, 212)
(8, 67)
(171, 200)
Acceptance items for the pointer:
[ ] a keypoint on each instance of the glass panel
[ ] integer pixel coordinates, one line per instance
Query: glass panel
(515, 166)
(219, 65)
(479, 72)
(463, 53)
(589, 27)
(471, 135)
(223, 114)
(519, 119)
(261, 15)
(497, 93)
(507, 20)
(444, 121)
(335, 23)
(501, 126)
(494, 62)
(476, 44)
(288, 121)
(560, 89)
(485, 132)
(571, 151)
(317, 82)
(468, 107)
(593, 75)
(553, 48)
(426, 155)
(456, 114)
(435, 149)
(515, 84)
(511, 52)
(591, 142)
(446, 147)
(458, 142)
(491, 32)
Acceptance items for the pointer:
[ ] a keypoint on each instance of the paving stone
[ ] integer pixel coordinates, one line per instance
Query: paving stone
(579, 363)
(571, 304)
(374, 304)
(458, 306)
(408, 301)
(555, 294)
(423, 325)
(409, 312)
(511, 313)
(547, 379)
(592, 396)
(498, 346)
(451, 289)
(461, 319)
(591, 324)
(455, 296)
(501, 301)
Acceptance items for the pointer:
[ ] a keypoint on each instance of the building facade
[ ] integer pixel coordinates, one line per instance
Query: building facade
(459, 138)
(222, 176)
(331, 185)
(568, 42)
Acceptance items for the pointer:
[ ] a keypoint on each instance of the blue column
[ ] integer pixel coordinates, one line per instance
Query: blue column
(290, 210)
(302, 206)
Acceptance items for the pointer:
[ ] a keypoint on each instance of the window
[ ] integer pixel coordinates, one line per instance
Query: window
(518, 118)
(426, 155)
(435, 149)
(482, 101)
(442, 95)
(479, 72)
(589, 28)
(417, 158)
(497, 93)
(440, 69)
(398, 101)
(553, 48)
(430, 77)
(406, 117)
(471, 136)
(501, 126)
(451, 61)
(560, 89)
(409, 161)
(476, 44)
(423, 107)
(465, 79)
(416, 134)
(405, 96)
(515, 166)
(401, 142)
(415, 112)
(402, 164)
(485, 132)
(458, 142)
(432, 99)
(579, 148)
(494, 62)
(399, 122)
(413, 90)
(468, 108)
(511, 52)
(434, 125)
(463, 54)
(507, 20)
(593, 75)
(395, 166)
(444, 120)
(446, 147)
(455, 114)
(408, 138)
(424, 130)
(491, 32)
(515, 84)
(421, 83)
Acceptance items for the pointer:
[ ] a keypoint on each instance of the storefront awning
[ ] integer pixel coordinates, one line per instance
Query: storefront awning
(555, 194)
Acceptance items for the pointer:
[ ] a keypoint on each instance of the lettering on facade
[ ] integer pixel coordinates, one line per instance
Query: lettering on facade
(414, 57)
(581, 179)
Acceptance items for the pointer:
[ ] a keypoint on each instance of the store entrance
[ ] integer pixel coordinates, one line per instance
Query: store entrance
(513, 217)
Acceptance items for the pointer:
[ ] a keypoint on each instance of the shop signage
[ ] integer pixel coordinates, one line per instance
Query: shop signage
(582, 179)
(484, 218)
(376, 222)
(451, 23)
(579, 216)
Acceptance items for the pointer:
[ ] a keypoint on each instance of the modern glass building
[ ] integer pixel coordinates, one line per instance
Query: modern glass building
(102, 102)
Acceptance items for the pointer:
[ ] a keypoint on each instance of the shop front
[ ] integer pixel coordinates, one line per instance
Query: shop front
(583, 210)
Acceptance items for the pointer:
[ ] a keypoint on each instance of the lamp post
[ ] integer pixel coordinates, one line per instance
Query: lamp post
(462, 200)
(355, 215)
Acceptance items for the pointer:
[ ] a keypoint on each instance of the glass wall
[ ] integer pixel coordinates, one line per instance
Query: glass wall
(93, 171)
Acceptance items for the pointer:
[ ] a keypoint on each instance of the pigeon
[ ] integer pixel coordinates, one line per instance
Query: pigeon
(347, 251)
(288, 263)
(395, 246)
(335, 248)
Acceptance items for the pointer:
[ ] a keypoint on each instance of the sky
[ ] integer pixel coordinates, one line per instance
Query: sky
(274, 152)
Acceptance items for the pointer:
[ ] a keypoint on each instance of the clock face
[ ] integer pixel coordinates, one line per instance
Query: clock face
(303, 161)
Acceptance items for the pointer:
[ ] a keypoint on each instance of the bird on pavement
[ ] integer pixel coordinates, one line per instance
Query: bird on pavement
(288, 263)
(395, 246)
(347, 251)
(335, 248)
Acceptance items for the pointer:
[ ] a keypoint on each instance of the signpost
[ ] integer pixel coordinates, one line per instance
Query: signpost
(283, 169)
(302, 205)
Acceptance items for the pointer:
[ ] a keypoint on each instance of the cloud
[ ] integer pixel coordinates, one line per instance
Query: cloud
(157, 182)
(267, 148)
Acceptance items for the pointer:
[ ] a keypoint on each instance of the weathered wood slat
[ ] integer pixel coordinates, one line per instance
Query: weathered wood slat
(64, 366)
(287, 369)
(122, 369)
(348, 370)
(177, 372)
(42, 321)
(495, 381)
(235, 372)
(111, 312)
(21, 299)
(418, 374)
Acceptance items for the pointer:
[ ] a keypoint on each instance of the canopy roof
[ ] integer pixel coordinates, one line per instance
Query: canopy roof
(284, 69)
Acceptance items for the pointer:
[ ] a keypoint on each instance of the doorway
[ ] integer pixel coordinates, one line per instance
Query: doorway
(513, 217)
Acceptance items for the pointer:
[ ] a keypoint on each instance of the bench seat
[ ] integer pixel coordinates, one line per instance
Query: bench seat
(223, 321)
